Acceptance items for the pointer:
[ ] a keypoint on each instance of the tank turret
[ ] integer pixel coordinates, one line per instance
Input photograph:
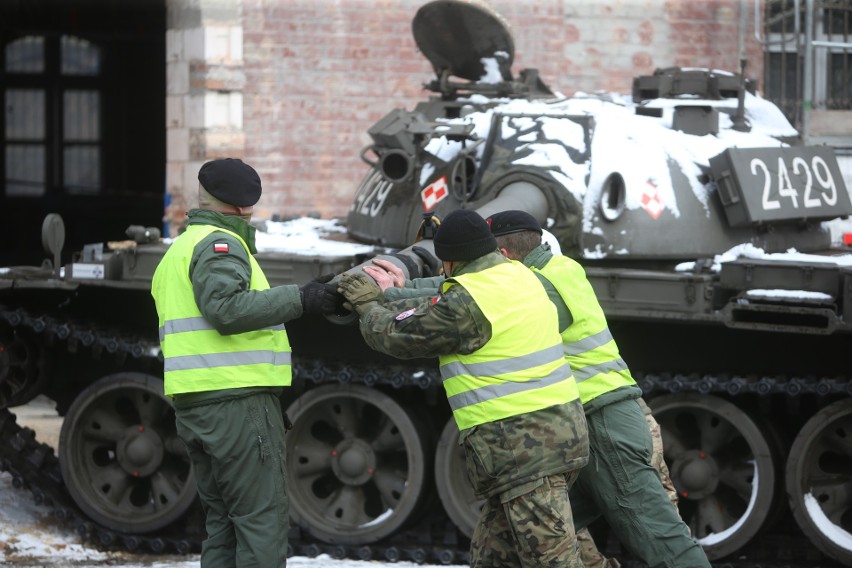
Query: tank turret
(664, 175)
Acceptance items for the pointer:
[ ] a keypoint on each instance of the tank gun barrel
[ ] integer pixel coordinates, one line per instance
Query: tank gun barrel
(521, 195)
(419, 260)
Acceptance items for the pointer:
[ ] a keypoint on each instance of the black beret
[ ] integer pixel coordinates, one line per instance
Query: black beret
(463, 235)
(231, 181)
(506, 222)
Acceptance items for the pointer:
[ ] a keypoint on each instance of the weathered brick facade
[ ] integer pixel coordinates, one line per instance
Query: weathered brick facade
(316, 74)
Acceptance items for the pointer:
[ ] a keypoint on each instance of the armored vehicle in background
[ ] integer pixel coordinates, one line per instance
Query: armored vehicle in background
(700, 223)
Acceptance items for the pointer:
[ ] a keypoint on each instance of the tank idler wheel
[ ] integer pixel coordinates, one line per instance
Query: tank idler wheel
(121, 458)
(356, 464)
(819, 480)
(454, 488)
(721, 466)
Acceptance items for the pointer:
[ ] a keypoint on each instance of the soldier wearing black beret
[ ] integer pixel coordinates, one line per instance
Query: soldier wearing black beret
(230, 181)
(226, 362)
(631, 488)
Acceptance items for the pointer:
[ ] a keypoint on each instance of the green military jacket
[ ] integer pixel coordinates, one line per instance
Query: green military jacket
(220, 281)
(220, 284)
(538, 258)
(508, 457)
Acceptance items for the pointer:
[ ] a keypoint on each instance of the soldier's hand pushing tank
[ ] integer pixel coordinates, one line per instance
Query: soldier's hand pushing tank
(319, 297)
(359, 291)
(386, 274)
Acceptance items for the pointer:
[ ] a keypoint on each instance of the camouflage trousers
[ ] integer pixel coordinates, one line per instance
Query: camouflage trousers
(620, 484)
(657, 458)
(534, 529)
(589, 553)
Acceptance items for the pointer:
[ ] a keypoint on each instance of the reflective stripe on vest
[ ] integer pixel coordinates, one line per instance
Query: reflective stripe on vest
(196, 356)
(589, 347)
(522, 367)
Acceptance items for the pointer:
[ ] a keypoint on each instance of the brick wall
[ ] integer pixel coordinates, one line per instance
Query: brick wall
(319, 73)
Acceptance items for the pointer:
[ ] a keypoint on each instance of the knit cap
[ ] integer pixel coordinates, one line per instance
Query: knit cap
(463, 235)
(231, 181)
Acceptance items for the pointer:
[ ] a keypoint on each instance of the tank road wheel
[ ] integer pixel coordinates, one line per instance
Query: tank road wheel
(819, 480)
(355, 464)
(121, 458)
(22, 374)
(454, 488)
(721, 466)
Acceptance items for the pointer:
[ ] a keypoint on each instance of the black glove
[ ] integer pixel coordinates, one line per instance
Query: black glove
(338, 297)
(319, 298)
(430, 263)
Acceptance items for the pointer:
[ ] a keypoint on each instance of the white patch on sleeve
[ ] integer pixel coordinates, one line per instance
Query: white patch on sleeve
(405, 315)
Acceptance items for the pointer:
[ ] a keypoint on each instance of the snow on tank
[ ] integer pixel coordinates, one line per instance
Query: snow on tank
(694, 163)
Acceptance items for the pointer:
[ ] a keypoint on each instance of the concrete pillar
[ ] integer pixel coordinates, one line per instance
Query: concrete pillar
(204, 95)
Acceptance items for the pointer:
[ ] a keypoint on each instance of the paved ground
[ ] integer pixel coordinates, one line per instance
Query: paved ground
(40, 415)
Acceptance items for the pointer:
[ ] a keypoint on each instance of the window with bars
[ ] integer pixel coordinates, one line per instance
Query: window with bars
(784, 41)
(52, 127)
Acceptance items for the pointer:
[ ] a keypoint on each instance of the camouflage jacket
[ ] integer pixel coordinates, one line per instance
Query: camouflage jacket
(508, 457)
(537, 258)
(431, 325)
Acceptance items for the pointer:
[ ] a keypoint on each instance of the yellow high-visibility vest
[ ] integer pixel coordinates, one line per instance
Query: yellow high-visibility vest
(588, 344)
(521, 368)
(197, 357)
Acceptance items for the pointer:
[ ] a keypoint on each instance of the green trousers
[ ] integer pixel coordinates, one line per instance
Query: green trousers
(237, 450)
(620, 484)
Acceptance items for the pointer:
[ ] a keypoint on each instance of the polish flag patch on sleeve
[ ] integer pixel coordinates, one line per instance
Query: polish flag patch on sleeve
(220, 247)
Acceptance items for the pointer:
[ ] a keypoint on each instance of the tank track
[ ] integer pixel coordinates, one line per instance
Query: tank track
(34, 465)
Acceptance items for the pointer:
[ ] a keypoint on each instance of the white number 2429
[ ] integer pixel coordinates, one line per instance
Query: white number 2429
(816, 170)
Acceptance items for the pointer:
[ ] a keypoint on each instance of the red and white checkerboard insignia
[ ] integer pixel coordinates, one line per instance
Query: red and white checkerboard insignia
(434, 193)
(220, 247)
(405, 315)
(651, 200)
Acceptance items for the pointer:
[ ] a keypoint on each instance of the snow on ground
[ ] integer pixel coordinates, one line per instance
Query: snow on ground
(29, 536)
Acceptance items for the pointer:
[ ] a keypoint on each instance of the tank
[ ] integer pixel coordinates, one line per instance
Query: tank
(704, 227)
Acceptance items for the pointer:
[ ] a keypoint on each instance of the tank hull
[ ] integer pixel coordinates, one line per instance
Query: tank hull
(691, 213)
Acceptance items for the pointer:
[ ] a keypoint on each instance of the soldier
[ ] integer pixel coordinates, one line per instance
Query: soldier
(620, 483)
(512, 395)
(621, 428)
(226, 361)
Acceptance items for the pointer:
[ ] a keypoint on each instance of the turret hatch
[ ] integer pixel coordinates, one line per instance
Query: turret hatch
(461, 37)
